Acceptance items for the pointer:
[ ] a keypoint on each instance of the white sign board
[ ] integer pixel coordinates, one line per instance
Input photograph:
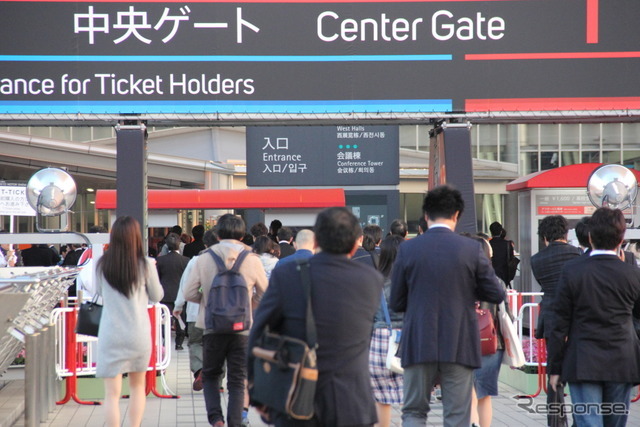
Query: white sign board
(13, 201)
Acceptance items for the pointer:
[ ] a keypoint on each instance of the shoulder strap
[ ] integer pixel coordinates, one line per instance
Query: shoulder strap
(241, 256)
(218, 261)
(312, 333)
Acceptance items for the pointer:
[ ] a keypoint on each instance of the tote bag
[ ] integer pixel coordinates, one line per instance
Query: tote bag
(513, 353)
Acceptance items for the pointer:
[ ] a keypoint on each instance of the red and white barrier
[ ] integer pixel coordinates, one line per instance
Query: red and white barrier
(75, 354)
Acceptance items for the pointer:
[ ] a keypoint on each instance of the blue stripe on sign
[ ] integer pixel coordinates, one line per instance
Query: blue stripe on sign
(206, 107)
(223, 58)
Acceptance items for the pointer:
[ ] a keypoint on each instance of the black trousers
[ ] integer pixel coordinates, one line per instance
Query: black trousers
(180, 333)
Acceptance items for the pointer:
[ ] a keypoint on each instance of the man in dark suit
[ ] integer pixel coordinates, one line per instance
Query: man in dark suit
(546, 266)
(192, 249)
(592, 344)
(436, 280)
(344, 296)
(74, 254)
(502, 252)
(582, 234)
(285, 238)
(170, 268)
(38, 256)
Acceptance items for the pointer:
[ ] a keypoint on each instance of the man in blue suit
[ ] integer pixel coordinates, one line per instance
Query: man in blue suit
(436, 280)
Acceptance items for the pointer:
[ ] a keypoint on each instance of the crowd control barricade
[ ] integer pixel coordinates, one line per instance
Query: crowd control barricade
(27, 297)
(76, 353)
(526, 309)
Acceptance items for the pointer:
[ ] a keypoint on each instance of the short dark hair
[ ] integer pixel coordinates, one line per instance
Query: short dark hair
(442, 203)
(197, 231)
(285, 233)
(209, 238)
(173, 242)
(247, 239)
(606, 228)
(259, 229)
(495, 229)
(176, 229)
(98, 229)
(374, 231)
(399, 228)
(553, 227)
(230, 226)
(582, 232)
(337, 230)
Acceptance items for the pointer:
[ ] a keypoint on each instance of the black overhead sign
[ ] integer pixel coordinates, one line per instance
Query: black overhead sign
(340, 155)
(315, 57)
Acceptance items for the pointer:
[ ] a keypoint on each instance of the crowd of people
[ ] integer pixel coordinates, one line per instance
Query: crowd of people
(365, 287)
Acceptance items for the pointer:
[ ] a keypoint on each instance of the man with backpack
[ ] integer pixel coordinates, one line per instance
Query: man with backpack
(227, 291)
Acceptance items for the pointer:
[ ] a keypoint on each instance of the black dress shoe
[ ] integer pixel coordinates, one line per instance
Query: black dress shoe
(179, 347)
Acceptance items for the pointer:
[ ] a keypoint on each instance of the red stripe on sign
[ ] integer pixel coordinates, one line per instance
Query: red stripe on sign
(565, 210)
(592, 21)
(549, 55)
(552, 104)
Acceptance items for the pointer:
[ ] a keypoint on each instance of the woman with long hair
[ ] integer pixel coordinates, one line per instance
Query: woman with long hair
(387, 385)
(268, 251)
(485, 378)
(127, 281)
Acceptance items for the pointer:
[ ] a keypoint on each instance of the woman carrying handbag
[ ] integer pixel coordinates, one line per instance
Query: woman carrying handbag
(127, 282)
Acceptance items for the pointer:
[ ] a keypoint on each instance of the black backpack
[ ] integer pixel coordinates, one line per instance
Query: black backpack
(228, 307)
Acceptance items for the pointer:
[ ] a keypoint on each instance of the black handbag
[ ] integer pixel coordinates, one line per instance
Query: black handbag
(89, 314)
(512, 262)
(285, 368)
(559, 415)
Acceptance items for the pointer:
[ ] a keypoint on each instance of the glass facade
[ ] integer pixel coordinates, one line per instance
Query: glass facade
(537, 147)
(529, 147)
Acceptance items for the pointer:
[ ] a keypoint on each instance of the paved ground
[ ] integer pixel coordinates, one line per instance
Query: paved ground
(189, 410)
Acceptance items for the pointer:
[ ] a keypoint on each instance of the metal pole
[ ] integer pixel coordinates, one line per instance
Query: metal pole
(43, 355)
(52, 394)
(31, 418)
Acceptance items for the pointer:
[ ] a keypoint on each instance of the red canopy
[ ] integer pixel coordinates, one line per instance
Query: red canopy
(573, 176)
(233, 199)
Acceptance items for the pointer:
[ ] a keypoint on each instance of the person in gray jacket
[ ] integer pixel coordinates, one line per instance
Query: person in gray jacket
(127, 281)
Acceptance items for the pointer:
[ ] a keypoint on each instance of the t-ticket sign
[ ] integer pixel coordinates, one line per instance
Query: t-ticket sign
(340, 155)
(318, 57)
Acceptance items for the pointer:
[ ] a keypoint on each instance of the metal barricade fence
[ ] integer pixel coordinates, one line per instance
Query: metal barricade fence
(526, 308)
(27, 296)
(75, 354)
